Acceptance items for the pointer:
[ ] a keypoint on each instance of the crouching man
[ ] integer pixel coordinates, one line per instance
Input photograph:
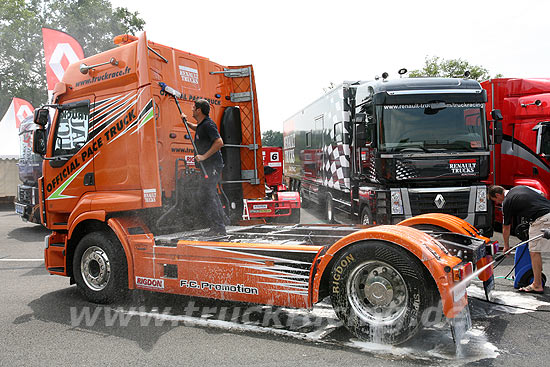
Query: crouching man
(524, 201)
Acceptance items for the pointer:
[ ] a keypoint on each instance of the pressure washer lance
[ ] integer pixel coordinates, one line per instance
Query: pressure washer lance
(174, 93)
(459, 288)
(545, 234)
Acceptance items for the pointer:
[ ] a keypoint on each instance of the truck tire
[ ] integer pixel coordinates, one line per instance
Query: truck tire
(380, 292)
(293, 218)
(293, 186)
(366, 216)
(304, 203)
(100, 269)
(329, 209)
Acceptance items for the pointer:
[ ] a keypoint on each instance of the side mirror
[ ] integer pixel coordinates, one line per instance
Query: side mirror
(497, 126)
(362, 136)
(41, 116)
(39, 141)
(496, 115)
(360, 118)
(498, 132)
(369, 109)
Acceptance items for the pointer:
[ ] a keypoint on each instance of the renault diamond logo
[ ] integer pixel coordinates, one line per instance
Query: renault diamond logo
(439, 201)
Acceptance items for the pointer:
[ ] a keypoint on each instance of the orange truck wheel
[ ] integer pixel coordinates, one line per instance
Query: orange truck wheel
(380, 292)
(99, 268)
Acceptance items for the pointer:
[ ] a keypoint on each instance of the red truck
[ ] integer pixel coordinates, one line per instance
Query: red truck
(521, 155)
(279, 204)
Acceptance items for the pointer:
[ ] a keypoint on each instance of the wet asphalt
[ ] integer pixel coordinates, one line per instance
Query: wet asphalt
(45, 321)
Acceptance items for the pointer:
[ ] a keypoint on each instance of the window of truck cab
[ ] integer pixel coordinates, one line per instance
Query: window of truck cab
(72, 127)
(432, 127)
(545, 139)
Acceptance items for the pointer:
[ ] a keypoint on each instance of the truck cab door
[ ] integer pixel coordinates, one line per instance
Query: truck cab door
(318, 145)
(68, 168)
(364, 145)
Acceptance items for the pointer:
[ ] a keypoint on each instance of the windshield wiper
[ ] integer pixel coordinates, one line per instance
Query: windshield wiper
(458, 146)
(417, 148)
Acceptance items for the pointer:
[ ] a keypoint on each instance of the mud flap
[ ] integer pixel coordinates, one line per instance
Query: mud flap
(460, 324)
(489, 286)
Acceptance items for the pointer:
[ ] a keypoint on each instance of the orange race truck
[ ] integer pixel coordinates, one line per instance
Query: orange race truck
(118, 186)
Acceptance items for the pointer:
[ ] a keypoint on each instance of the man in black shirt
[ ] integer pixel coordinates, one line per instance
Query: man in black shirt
(209, 142)
(523, 201)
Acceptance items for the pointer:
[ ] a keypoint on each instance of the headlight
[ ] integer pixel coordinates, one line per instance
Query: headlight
(396, 203)
(481, 199)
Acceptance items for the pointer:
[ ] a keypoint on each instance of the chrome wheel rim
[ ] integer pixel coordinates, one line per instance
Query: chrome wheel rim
(95, 268)
(377, 293)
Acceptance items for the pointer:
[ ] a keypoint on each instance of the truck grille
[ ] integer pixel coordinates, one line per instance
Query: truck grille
(24, 195)
(456, 203)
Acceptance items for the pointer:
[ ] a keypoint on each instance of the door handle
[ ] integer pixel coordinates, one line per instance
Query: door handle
(89, 179)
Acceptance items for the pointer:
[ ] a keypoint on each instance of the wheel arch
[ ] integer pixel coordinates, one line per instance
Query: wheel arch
(455, 225)
(422, 247)
(447, 221)
(324, 285)
(535, 184)
(113, 226)
(76, 233)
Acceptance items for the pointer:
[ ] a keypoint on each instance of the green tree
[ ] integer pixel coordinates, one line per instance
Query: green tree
(93, 23)
(272, 138)
(438, 67)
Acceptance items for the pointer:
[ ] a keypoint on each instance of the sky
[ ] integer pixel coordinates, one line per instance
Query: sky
(297, 48)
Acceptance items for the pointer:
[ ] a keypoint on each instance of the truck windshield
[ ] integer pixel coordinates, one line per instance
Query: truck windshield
(432, 127)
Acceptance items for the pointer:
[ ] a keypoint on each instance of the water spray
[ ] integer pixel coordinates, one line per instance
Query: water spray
(174, 93)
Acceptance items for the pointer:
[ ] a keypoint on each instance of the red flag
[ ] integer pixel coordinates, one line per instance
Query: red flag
(9, 126)
(21, 109)
(60, 50)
